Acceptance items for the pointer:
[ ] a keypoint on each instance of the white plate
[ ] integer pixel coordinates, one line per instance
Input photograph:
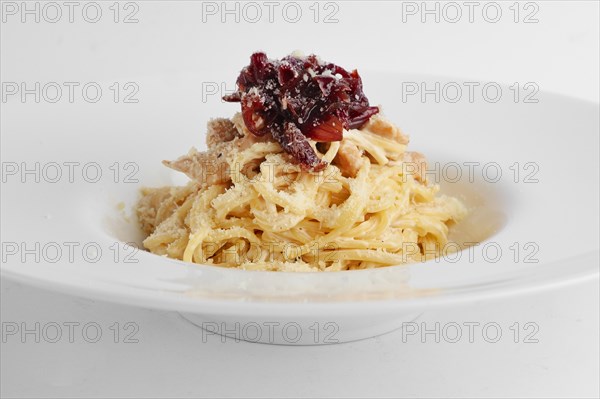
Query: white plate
(547, 231)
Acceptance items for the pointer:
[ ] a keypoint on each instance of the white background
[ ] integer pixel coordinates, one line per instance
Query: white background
(173, 358)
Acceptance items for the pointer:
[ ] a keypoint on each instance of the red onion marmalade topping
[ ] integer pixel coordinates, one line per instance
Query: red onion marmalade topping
(296, 98)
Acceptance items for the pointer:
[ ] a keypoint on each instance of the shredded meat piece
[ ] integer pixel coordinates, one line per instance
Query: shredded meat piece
(384, 128)
(207, 168)
(417, 163)
(348, 159)
(210, 167)
(221, 130)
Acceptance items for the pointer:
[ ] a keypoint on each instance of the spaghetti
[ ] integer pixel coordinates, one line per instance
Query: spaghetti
(250, 205)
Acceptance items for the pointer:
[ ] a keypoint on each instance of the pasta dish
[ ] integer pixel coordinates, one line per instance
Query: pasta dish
(307, 177)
